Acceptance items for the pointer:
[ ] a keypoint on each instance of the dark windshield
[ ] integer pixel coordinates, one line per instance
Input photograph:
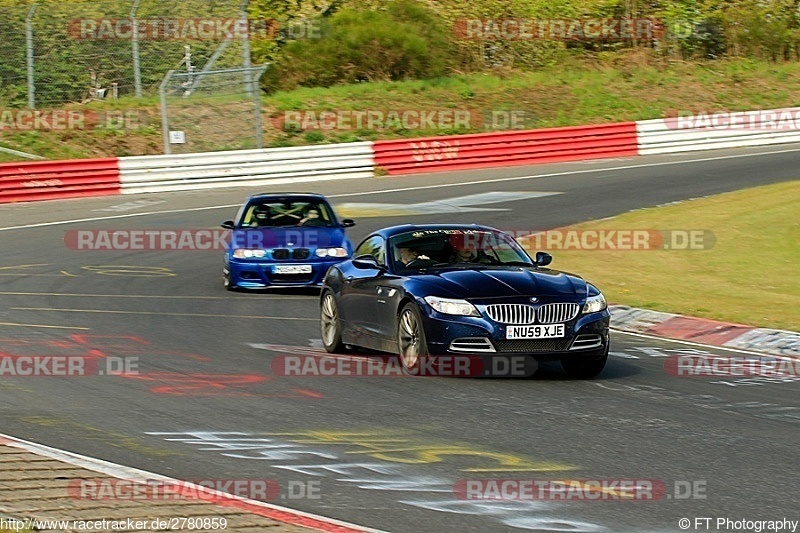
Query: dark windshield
(445, 248)
(283, 214)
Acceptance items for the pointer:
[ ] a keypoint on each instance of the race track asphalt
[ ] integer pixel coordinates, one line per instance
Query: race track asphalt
(385, 452)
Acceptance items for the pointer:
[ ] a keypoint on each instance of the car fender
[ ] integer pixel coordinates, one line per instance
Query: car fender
(405, 299)
(334, 280)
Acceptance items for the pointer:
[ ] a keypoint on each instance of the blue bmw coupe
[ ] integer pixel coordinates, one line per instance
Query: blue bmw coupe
(286, 239)
(427, 291)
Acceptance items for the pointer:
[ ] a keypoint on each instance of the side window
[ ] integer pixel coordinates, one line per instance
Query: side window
(249, 215)
(374, 246)
(324, 212)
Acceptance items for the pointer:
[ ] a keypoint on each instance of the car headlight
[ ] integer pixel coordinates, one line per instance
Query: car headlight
(450, 306)
(247, 253)
(331, 252)
(595, 303)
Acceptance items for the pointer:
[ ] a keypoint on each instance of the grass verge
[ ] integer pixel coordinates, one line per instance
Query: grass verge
(614, 88)
(749, 275)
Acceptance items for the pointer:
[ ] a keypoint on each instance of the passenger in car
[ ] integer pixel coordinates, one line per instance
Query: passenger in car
(409, 254)
(261, 216)
(466, 251)
(312, 218)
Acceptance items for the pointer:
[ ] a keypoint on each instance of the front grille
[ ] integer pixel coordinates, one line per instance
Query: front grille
(511, 313)
(471, 344)
(301, 253)
(531, 345)
(280, 253)
(557, 313)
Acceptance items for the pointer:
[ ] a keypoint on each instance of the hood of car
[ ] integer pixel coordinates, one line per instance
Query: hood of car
(288, 237)
(487, 283)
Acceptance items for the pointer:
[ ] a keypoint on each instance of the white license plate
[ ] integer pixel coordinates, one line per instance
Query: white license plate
(550, 331)
(292, 269)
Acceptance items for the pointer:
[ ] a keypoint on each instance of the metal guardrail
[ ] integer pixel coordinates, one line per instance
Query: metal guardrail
(17, 153)
(246, 167)
(720, 130)
(51, 180)
(95, 177)
(482, 150)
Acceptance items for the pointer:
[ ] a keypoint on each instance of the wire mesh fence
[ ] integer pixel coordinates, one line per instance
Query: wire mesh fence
(211, 110)
(59, 53)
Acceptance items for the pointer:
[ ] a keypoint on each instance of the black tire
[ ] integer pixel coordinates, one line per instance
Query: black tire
(583, 368)
(330, 325)
(411, 343)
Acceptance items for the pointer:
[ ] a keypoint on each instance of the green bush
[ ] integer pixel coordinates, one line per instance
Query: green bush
(402, 41)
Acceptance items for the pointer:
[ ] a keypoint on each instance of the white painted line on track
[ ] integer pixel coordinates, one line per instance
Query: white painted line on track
(406, 189)
(159, 296)
(46, 326)
(127, 472)
(111, 217)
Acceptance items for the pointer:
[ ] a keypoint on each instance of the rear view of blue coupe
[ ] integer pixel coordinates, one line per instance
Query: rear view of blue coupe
(284, 239)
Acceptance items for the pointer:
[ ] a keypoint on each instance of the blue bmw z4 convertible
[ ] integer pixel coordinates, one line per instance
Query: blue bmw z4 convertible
(438, 291)
(286, 239)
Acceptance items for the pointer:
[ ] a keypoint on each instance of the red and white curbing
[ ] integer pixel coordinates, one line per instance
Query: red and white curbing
(245, 505)
(704, 331)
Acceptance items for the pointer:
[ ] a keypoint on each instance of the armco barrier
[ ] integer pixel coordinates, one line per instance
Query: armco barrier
(481, 150)
(48, 180)
(246, 167)
(718, 130)
(52, 180)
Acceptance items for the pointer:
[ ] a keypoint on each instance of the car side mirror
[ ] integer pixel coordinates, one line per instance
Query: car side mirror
(348, 223)
(543, 259)
(367, 262)
(228, 224)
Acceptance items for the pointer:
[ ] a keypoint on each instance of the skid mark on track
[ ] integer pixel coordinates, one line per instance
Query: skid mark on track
(211, 384)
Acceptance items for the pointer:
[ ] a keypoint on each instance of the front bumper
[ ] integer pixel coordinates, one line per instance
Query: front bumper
(260, 274)
(586, 336)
